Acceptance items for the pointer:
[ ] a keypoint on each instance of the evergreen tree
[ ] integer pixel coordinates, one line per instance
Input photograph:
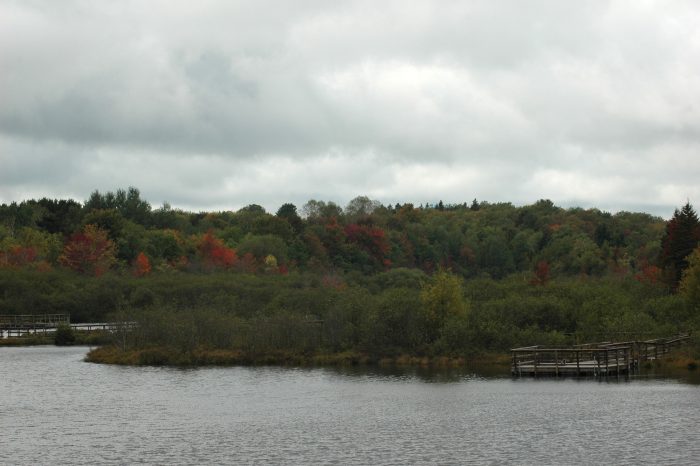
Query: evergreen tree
(681, 238)
(690, 285)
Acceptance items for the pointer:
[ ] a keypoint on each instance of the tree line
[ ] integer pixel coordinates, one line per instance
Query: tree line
(118, 231)
(432, 279)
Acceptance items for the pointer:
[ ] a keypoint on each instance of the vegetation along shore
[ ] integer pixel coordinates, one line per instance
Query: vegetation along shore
(433, 284)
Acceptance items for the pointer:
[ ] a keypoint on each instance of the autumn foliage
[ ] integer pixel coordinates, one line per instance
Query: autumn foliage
(650, 274)
(372, 239)
(541, 274)
(89, 251)
(215, 254)
(142, 266)
(17, 256)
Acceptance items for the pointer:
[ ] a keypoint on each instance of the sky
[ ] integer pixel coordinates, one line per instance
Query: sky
(214, 105)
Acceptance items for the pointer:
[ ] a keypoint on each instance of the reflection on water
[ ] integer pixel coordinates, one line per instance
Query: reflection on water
(54, 408)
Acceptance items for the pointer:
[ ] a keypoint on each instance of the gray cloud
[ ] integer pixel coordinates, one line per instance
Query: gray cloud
(219, 104)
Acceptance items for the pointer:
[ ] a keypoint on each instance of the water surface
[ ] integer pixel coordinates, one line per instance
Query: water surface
(57, 409)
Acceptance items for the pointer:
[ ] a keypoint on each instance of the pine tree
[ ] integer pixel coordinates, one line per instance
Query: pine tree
(681, 238)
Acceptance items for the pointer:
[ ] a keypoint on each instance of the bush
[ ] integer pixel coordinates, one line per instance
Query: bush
(64, 335)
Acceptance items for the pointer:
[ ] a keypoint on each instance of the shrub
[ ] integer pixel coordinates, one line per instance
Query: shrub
(64, 335)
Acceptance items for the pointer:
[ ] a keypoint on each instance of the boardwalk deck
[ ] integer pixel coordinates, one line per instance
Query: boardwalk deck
(592, 359)
(18, 325)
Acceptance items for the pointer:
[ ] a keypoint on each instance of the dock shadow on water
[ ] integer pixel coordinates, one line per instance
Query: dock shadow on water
(58, 409)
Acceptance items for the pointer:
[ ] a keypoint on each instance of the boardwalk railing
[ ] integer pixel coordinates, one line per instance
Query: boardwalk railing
(23, 324)
(32, 320)
(538, 360)
(597, 359)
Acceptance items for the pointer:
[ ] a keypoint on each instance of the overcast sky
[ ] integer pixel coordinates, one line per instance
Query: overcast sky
(213, 105)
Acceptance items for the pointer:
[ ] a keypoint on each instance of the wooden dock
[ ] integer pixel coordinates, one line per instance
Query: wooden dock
(591, 359)
(23, 324)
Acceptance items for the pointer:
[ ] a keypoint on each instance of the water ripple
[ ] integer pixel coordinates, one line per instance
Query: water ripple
(56, 409)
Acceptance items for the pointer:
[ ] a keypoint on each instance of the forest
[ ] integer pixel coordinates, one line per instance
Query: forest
(378, 280)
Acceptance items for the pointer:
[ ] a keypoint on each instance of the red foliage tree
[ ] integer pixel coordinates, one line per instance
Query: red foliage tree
(89, 251)
(248, 263)
(371, 239)
(541, 274)
(333, 237)
(215, 254)
(142, 266)
(649, 274)
(17, 256)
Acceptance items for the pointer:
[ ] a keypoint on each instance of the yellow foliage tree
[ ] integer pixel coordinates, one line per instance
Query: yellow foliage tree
(271, 263)
(442, 298)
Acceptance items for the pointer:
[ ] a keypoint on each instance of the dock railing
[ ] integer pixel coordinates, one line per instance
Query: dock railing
(31, 321)
(656, 348)
(601, 358)
(24, 324)
(540, 360)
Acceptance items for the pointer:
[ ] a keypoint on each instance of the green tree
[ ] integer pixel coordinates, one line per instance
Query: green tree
(442, 298)
(289, 212)
(690, 284)
(681, 237)
(361, 206)
(260, 246)
(320, 210)
(60, 216)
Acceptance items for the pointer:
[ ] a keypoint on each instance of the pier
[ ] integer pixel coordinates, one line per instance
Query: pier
(591, 359)
(23, 324)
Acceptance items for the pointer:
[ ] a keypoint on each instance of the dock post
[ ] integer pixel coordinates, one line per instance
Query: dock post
(607, 366)
(578, 364)
(556, 363)
(535, 362)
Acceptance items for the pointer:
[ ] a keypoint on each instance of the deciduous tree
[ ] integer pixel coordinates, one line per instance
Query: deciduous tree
(89, 251)
(215, 254)
(142, 266)
(442, 298)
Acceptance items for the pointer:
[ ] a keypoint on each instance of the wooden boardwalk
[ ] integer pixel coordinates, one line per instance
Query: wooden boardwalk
(591, 359)
(23, 324)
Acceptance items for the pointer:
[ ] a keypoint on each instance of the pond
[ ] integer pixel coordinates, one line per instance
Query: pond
(57, 409)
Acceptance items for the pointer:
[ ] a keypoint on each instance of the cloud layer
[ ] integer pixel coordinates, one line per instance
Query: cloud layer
(216, 104)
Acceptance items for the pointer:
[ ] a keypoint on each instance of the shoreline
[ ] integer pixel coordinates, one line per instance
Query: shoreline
(202, 357)
(684, 361)
(81, 338)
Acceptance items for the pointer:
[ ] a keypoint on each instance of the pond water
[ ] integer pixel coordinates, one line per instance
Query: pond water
(57, 409)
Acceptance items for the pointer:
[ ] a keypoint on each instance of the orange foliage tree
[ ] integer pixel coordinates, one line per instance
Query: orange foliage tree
(17, 256)
(89, 251)
(142, 266)
(215, 254)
